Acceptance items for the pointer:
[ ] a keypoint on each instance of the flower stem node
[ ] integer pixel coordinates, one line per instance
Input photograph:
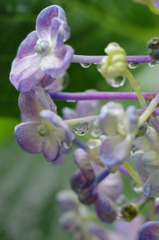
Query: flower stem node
(114, 66)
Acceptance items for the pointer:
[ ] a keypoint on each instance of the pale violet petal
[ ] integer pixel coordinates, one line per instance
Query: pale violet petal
(156, 3)
(44, 19)
(26, 73)
(151, 187)
(113, 151)
(137, 157)
(50, 147)
(69, 113)
(110, 114)
(30, 107)
(26, 47)
(28, 138)
(151, 161)
(153, 137)
(59, 123)
(56, 64)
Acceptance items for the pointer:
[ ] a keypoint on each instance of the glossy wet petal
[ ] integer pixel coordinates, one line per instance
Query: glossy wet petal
(149, 231)
(44, 19)
(28, 138)
(56, 63)
(26, 73)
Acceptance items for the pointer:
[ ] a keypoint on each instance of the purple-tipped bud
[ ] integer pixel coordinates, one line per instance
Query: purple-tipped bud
(88, 194)
(77, 180)
(83, 162)
(149, 231)
(106, 208)
(67, 200)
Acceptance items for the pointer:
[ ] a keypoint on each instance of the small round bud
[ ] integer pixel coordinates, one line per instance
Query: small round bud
(129, 212)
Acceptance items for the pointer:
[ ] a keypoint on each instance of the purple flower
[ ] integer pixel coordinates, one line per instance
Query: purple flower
(147, 161)
(149, 231)
(42, 51)
(120, 128)
(42, 130)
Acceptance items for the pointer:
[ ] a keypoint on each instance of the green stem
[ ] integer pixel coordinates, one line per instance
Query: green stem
(136, 87)
(133, 174)
(74, 121)
(147, 113)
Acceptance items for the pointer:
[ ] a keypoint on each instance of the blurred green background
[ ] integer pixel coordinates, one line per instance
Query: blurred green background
(28, 184)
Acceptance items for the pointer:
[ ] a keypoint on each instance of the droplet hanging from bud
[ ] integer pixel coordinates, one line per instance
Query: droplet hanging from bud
(153, 48)
(117, 81)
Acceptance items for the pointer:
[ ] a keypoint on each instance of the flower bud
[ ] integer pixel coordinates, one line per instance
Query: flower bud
(149, 231)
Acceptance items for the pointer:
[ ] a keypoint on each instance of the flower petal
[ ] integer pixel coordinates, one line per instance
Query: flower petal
(28, 138)
(51, 148)
(66, 134)
(57, 63)
(68, 113)
(110, 114)
(26, 73)
(83, 162)
(137, 157)
(29, 106)
(151, 187)
(113, 151)
(105, 208)
(26, 47)
(44, 98)
(44, 19)
(149, 231)
(156, 3)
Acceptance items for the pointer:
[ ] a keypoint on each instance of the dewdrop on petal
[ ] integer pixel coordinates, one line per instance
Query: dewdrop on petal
(113, 67)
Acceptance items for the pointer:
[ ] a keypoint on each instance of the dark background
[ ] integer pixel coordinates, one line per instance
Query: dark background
(28, 184)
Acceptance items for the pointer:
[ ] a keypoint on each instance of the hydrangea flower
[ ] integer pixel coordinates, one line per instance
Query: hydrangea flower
(43, 51)
(120, 128)
(147, 161)
(42, 130)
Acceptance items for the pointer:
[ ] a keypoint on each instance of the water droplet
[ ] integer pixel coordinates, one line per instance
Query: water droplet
(117, 82)
(152, 64)
(85, 65)
(95, 129)
(133, 65)
(93, 143)
(136, 187)
(80, 128)
(67, 145)
(99, 65)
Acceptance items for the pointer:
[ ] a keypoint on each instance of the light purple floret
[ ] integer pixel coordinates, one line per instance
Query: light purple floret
(42, 130)
(156, 3)
(43, 51)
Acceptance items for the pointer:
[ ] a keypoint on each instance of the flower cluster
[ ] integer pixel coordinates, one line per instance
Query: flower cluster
(119, 140)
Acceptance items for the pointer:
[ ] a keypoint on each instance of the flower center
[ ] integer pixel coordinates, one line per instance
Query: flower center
(43, 130)
(42, 46)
